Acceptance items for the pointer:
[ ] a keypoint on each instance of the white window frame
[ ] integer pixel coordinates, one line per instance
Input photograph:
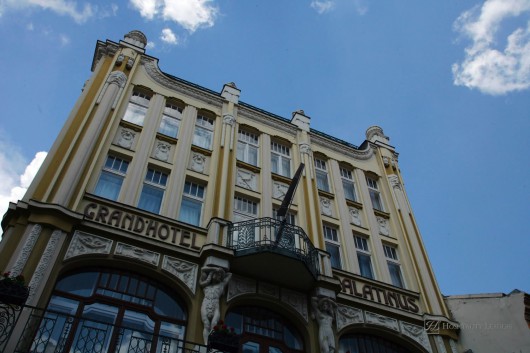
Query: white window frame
(195, 198)
(281, 153)
(140, 101)
(392, 258)
(172, 113)
(291, 217)
(347, 179)
(245, 209)
(375, 194)
(363, 249)
(332, 240)
(157, 181)
(113, 171)
(247, 142)
(205, 124)
(322, 171)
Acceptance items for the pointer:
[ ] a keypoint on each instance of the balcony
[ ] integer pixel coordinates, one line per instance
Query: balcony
(28, 329)
(265, 248)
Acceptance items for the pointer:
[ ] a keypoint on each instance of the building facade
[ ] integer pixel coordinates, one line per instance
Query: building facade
(155, 215)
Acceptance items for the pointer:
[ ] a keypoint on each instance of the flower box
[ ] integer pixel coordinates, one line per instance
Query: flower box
(223, 342)
(13, 290)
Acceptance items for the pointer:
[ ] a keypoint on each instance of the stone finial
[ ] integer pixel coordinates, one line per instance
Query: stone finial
(375, 133)
(136, 38)
(301, 120)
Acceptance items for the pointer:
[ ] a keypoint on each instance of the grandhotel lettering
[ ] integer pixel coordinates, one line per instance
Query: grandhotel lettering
(379, 295)
(137, 224)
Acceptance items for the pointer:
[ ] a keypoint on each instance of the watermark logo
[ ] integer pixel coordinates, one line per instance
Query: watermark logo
(433, 327)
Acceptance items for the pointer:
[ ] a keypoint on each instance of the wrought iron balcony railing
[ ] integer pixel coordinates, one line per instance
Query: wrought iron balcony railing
(270, 235)
(32, 330)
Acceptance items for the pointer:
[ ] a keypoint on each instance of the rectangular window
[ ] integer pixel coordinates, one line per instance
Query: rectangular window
(322, 175)
(153, 191)
(280, 159)
(203, 135)
(291, 218)
(333, 245)
(170, 120)
(137, 108)
(247, 147)
(244, 209)
(348, 184)
(393, 266)
(111, 178)
(363, 256)
(191, 205)
(375, 196)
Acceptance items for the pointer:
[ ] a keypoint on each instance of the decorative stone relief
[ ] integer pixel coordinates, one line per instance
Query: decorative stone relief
(384, 228)
(386, 162)
(324, 312)
(305, 148)
(119, 60)
(269, 289)
(84, 243)
(26, 250)
(125, 138)
(229, 119)
(134, 252)
(453, 345)
(44, 263)
(130, 63)
(279, 190)
(183, 270)
(239, 286)
(417, 333)
(372, 318)
(347, 315)
(246, 179)
(198, 162)
(162, 150)
(394, 181)
(297, 301)
(394, 163)
(325, 206)
(136, 38)
(118, 78)
(355, 216)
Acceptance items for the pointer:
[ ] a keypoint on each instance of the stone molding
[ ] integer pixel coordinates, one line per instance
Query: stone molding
(269, 290)
(26, 250)
(343, 149)
(268, 120)
(133, 252)
(347, 316)
(297, 301)
(381, 320)
(246, 179)
(185, 271)
(239, 286)
(417, 333)
(84, 243)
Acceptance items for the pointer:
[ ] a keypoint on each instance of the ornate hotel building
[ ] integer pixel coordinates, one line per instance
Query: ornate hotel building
(157, 213)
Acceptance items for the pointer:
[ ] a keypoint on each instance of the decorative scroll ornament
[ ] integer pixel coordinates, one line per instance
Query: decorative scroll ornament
(347, 316)
(117, 78)
(133, 252)
(381, 320)
(355, 216)
(240, 286)
(26, 250)
(417, 333)
(297, 301)
(183, 270)
(84, 243)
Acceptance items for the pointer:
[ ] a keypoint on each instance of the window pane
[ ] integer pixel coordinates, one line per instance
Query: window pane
(322, 181)
(135, 114)
(151, 198)
(349, 191)
(334, 251)
(109, 185)
(376, 200)
(395, 274)
(190, 211)
(274, 163)
(169, 126)
(252, 155)
(365, 265)
(286, 167)
(202, 137)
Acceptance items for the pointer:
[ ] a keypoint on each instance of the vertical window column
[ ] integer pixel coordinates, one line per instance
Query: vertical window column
(111, 178)
(375, 195)
(247, 147)
(137, 108)
(244, 209)
(363, 257)
(203, 134)
(322, 175)
(191, 205)
(153, 191)
(394, 266)
(171, 118)
(333, 246)
(280, 159)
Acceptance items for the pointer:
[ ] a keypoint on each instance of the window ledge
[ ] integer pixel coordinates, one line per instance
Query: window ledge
(201, 150)
(382, 214)
(354, 204)
(251, 167)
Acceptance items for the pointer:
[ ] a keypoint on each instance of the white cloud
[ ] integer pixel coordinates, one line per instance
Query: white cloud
(360, 6)
(190, 14)
(486, 67)
(168, 36)
(65, 40)
(150, 45)
(15, 182)
(61, 7)
(323, 6)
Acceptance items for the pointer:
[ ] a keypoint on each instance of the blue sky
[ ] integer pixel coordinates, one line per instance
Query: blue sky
(448, 81)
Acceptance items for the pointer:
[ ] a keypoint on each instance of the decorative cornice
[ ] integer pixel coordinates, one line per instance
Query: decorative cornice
(376, 319)
(104, 49)
(153, 71)
(84, 243)
(264, 119)
(133, 252)
(340, 148)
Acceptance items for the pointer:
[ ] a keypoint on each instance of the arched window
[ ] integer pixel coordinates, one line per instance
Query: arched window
(264, 331)
(362, 343)
(103, 310)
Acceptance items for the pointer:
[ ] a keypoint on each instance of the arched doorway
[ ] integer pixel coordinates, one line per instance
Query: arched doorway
(365, 343)
(106, 310)
(264, 331)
